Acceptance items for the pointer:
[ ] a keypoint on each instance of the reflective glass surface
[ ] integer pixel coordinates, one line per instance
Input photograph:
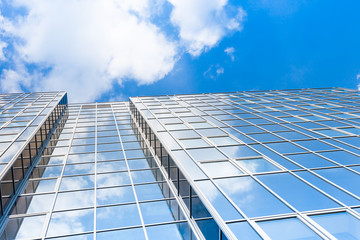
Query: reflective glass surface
(259, 164)
(256, 165)
(297, 192)
(288, 228)
(341, 225)
(252, 198)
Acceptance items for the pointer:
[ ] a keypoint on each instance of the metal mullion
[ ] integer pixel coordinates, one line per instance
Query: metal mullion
(315, 227)
(298, 213)
(22, 165)
(57, 186)
(283, 120)
(216, 147)
(172, 188)
(12, 180)
(129, 172)
(191, 182)
(195, 161)
(95, 174)
(334, 184)
(1, 200)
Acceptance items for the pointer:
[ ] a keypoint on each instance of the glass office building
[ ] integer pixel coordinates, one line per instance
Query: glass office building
(279, 164)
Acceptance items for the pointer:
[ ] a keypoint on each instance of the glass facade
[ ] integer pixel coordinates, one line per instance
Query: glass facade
(27, 122)
(279, 164)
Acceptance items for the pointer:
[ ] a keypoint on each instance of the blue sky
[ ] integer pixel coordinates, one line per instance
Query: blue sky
(113, 49)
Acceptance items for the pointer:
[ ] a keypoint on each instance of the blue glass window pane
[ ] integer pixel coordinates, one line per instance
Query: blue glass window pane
(274, 128)
(356, 168)
(257, 165)
(71, 222)
(315, 145)
(265, 137)
(287, 229)
(134, 154)
(49, 171)
(112, 166)
(223, 141)
(143, 176)
(220, 169)
(209, 229)
(296, 192)
(33, 204)
(343, 146)
(194, 143)
(177, 231)
(81, 158)
(206, 154)
(331, 133)
(328, 188)
(24, 228)
(109, 147)
(77, 183)
(77, 169)
(342, 177)
(351, 140)
(133, 233)
(225, 209)
(148, 192)
(292, 135)
(41, 186)
(342, 157)
(106, 156)
(352, 130)
(285, 147)
(239, 151)
(72, 200)
(184, 134)
(239, 135)
(157, 212)
(131, 145)
(193, 170)
(276, 157)
(341, 225)
(249, 129)
(138, 163)
(113, 179)
(310, 160)
(117, 216)
(251, 197)
(106, 196)
(212, 132)
(243, 230)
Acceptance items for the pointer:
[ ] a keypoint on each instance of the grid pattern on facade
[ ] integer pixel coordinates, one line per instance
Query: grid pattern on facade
(28, 123)
(264, 161)
(194, 207)
(96, 180)
(20, 117)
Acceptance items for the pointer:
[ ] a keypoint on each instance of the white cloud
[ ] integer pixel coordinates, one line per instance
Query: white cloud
(358, 78)
(219, 71)
(11, 80)
(2, 46)
(203, 23)
(86, 46)
(230, 51)
(214, 71)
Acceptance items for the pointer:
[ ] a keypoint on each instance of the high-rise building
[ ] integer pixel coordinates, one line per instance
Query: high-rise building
(279, 164)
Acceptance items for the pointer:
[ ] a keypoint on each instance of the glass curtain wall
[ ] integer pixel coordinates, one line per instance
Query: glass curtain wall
(27, 122)
(267, 165)
(97, 180)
